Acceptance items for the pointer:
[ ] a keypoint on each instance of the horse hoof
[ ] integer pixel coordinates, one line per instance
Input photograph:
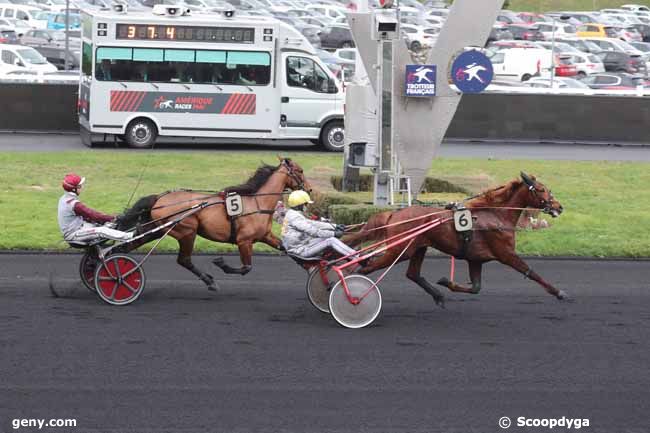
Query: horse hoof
(219, 262)
(563, 296)
(440, 302)
(444, 282)
(214, 287)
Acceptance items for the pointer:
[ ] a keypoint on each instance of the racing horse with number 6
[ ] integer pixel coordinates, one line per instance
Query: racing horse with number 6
(259, 195)
(497, 209)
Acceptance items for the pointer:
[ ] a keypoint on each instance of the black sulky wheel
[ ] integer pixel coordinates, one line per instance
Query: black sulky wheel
(87, 268)
(365, 305)
(319, 284)
(119, 279)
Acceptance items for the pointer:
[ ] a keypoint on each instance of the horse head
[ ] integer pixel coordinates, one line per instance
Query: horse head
(541, 197)
(295, 174)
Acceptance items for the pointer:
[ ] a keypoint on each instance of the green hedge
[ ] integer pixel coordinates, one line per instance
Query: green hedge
(354, 214)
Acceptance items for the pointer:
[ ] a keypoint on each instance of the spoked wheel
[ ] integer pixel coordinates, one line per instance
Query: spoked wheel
(119, 280)
(87, 268)
(318, 287)
(365, 305)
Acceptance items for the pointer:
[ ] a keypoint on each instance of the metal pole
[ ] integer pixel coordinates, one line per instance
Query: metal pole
(67, 35)
(553, 53)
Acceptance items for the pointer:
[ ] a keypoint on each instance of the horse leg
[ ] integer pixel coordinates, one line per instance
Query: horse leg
(413, 274)
(184, 259)
(246, 256)
(475, 269)
(515, 262)
(271, 240)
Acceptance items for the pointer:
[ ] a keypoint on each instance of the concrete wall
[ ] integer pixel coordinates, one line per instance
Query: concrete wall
(38, 107)
(608, 119)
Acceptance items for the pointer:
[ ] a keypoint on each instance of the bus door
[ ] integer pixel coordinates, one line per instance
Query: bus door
(308, 95)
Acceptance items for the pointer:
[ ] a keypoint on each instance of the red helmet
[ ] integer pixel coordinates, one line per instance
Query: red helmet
(72, 181)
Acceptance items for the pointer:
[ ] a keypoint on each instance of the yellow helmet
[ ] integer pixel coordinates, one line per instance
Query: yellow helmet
(298, 198)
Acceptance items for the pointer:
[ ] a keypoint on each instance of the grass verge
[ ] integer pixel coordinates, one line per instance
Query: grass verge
(568, 5)
(607, 204)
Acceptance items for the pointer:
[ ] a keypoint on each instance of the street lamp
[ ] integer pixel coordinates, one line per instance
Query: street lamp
(563, 18)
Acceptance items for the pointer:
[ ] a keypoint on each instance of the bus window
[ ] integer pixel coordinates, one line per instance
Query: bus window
(87, 59)
(183, 66)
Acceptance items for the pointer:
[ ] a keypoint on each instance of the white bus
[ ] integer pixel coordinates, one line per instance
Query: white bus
(147, 74)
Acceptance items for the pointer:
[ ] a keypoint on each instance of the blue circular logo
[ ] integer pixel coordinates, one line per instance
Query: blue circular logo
(472, 72)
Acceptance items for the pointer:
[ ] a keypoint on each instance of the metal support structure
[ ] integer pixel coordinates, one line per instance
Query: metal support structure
(66, 59)
(418, 124)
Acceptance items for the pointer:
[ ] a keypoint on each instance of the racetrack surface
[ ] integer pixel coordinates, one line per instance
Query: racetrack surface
(256, 357)
(26, 142)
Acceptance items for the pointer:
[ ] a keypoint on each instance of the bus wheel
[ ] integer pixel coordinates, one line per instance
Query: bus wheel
(141, 133)
(332, 136)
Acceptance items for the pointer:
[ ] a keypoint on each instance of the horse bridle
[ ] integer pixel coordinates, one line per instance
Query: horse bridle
(292, 174)
(547, 208)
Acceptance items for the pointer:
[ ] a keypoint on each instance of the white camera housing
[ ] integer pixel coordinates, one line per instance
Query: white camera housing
(385, 25)
(229, 13)
(171, 10)
(119, 8)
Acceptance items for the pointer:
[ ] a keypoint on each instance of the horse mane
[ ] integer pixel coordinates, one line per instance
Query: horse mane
(496, 196)
(255, 182)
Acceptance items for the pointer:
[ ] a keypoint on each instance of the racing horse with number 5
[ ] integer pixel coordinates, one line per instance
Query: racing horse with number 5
(259, 195)
(498, 209)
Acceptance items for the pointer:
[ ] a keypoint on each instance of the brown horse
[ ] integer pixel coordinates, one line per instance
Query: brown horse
(484, 245)
(259, 195)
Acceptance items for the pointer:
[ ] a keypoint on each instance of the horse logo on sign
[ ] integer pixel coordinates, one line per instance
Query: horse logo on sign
(420, 80)
(472, 72)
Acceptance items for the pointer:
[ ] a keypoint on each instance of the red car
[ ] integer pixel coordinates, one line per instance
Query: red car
(564, 67)
(532, 18)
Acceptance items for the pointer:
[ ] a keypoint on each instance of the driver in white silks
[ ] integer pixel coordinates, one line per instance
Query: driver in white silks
(308, 238)
(78, 222)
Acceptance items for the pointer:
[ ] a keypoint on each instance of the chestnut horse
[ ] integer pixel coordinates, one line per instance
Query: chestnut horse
(259, 195)
(485, 244)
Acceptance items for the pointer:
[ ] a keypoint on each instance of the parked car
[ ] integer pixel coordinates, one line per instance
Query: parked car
(644, 47)
(526, 32)
(564, 67)
(311, 32)
(25, 13)
(415, 36)
(336, 36)
(595, 30)
(586, 64)
(622, 62)
(328, 10)
(346, 54)
(558, 83)
(561, 30)
(635, 8)
(499, 33)
(8, 35)
(612, 44)
(56, 21)
(509, 17)
(51, 5)
(644, 30)
(18, 57)
(558, 47)
(582, 45)
(615, 81)
(531, 18)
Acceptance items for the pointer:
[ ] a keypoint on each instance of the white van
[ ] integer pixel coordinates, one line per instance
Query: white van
(20, 58)
(521, 64)
(29, 14)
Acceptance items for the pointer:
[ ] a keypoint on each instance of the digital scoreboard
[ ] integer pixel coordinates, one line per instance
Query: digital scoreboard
(153, 32)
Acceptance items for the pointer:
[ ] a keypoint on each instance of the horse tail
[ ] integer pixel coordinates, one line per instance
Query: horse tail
(139, 214)
(373, 230)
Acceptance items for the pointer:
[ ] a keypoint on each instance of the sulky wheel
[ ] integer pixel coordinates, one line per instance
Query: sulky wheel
(87, 268)
(318, 290)
(366, 303)
(119, 279)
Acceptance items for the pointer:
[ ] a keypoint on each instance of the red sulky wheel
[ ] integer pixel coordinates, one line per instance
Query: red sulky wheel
(87, 268)
(119, 280)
